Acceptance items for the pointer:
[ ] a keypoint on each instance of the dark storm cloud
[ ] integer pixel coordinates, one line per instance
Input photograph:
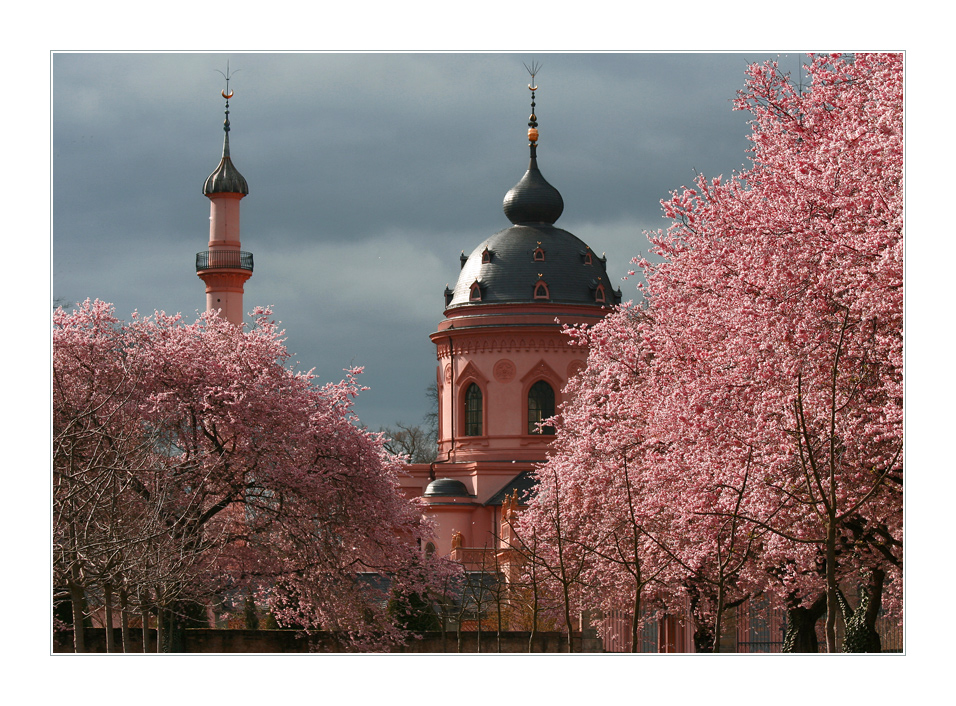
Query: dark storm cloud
(368, 174)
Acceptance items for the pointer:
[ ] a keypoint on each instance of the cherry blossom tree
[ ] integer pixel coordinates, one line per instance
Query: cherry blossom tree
(646, 530)
(746, 421)
(780, 308)
(250, 475)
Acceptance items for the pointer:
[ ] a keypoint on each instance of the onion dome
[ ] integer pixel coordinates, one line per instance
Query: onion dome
(532, 261)
(446, 488)
(533, 199)
(226, 179)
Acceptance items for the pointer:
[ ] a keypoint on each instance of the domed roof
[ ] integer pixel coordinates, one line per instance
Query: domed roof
(225, 179)
(508, 266)
(446, 487)
(532, 261)
(533, 199)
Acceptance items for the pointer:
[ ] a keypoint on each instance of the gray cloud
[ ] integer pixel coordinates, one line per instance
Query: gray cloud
(368, 174)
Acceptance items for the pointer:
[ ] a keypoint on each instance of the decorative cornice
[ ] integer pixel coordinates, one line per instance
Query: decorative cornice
(220, 281)
(558, 343)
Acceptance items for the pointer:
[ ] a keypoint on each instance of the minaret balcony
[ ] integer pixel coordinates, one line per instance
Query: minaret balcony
(223, 259)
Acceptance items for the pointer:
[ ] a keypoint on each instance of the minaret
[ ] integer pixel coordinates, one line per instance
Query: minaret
(225, 267)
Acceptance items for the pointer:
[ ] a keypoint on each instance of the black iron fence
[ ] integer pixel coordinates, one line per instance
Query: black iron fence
(216, 259)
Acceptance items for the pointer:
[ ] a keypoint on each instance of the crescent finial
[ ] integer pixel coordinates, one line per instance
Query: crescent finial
(533, 70)
(226, 93)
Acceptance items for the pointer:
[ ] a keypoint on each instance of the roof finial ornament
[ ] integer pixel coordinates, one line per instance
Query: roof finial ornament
(227, 94)
(533, 120)
(226, 178)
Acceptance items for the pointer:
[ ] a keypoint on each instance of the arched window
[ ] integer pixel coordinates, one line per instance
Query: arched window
(485, 256)
(429, 549)
(473, 410)
(587, 258)
(538, 255)
(541, 290)
(599, 294)
(540, 407)
(475, 295)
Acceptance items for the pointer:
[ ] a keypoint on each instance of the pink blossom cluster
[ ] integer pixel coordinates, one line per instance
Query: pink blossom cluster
(740, 431)
(191, 461)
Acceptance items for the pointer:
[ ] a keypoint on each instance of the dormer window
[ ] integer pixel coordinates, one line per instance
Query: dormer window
(599, 295)
(486, 256)
(538, 255)
(588, 260)
(541, 290)
(475, 294)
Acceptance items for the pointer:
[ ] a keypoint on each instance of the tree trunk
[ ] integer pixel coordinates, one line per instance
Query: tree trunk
(801, 633)
(124, 629)
(479, 625)
(77, 602)
(444, 630)
(108, 621)
(160, 627)
(703, 633)
(144, 615)
(833, 605)
(861, 635)
(703, 638)
(718, 617)
(498, 635)
(171, 629)
(872, 611)
(176, 632)
(567, 619)
(636, 621)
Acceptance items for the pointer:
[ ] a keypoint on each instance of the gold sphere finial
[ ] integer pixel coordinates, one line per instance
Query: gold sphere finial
(533, 120)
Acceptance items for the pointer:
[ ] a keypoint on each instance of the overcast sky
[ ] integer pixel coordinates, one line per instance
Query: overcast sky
(368, 175)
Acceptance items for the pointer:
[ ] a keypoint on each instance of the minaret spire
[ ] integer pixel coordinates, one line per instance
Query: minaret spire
(227, 94)
(225, 267)
(226, 178)
(533, 199)
(533, 119)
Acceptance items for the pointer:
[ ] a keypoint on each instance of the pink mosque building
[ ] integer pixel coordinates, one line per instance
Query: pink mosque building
(503, 362)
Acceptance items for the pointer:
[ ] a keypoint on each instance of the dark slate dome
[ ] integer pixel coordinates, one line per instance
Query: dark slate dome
(508, 266)
(446, 488)
(226, 179)
(533, 199)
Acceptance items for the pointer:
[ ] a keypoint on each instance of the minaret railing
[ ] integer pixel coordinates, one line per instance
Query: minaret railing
(223, 259)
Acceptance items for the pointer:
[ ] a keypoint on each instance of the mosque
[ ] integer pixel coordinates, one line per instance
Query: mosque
(503, 362)
(502, 357)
